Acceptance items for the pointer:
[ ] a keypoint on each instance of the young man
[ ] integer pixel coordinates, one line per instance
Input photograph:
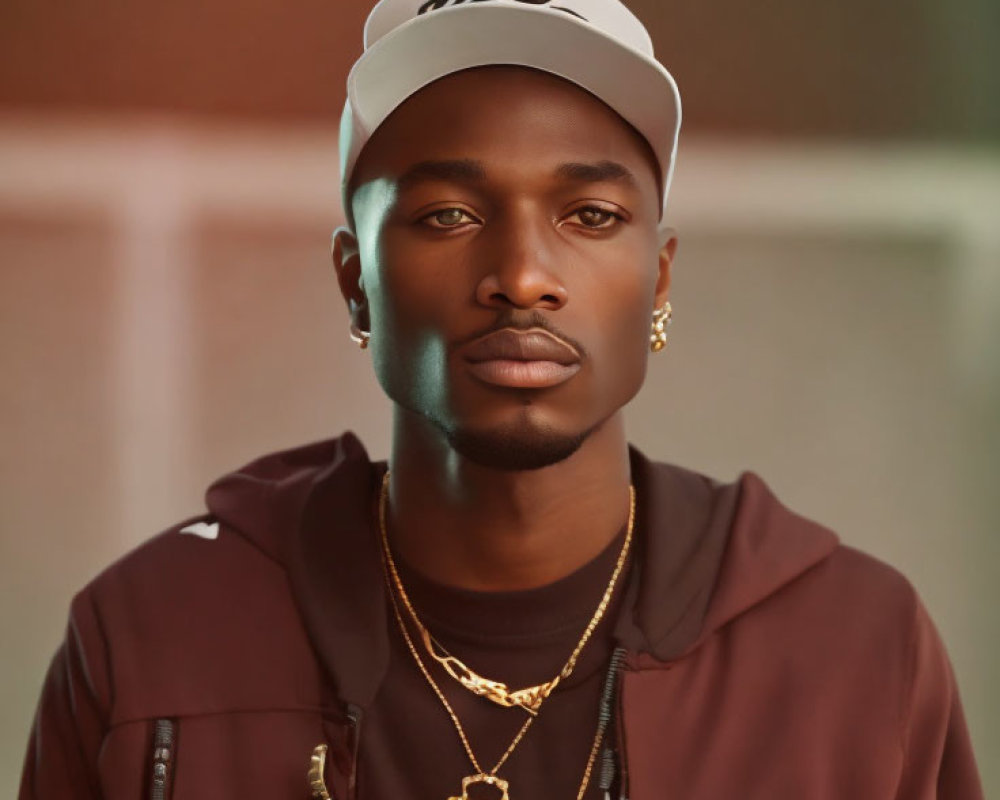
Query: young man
(517, 604)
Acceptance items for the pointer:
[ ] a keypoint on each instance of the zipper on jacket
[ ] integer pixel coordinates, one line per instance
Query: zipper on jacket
(606, 716)
(354, 745)
(164, 756)
(621, 748)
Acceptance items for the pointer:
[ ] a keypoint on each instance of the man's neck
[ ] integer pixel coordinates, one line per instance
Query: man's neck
(465, 525)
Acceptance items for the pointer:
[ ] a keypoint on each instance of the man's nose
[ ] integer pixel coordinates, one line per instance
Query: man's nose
(521, 270)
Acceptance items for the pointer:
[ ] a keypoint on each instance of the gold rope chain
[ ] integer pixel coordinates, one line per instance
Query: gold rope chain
(393, 580)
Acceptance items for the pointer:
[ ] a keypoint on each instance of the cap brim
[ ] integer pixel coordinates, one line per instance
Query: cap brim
(449, 40)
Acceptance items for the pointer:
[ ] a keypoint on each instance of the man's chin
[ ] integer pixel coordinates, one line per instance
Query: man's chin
(515, 449)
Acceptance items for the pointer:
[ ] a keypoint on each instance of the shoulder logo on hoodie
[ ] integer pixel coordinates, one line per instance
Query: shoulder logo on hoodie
(206, 530)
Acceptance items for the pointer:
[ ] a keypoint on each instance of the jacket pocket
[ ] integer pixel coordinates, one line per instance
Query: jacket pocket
(163, 758)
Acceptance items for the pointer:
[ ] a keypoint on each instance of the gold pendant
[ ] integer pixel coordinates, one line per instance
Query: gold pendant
(316, 768)
(492, 780)
(529, 698)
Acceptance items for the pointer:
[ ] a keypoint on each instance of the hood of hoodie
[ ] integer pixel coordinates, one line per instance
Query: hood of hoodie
(705, 552)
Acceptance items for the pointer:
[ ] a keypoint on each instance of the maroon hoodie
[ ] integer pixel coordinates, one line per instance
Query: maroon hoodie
(762, 658)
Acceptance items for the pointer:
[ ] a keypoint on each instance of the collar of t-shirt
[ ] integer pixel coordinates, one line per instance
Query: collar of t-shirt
(522, 637)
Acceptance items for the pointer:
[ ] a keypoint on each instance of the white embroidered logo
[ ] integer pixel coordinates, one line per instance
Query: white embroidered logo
(206, 530)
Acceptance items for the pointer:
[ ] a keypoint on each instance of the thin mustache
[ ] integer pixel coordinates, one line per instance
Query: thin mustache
(512, 319)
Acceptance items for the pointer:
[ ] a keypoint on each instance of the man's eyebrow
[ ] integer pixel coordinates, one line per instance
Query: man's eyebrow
(597, 172)
(454, 171)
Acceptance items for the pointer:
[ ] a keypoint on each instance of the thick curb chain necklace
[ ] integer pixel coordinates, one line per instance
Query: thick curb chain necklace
(529, 698)
(395, 587)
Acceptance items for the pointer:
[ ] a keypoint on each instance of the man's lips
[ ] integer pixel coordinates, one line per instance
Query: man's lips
(509, 344)
(531, 359)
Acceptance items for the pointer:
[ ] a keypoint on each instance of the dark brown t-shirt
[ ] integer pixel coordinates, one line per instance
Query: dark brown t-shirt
(409, 745)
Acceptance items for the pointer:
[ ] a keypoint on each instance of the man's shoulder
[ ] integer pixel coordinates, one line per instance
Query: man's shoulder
(861, 571)
(188, 610)
(855, 595)
(253, 515)
(838, 576)
(780, 567)
(194, 554)
(174, 624)
(843, 600)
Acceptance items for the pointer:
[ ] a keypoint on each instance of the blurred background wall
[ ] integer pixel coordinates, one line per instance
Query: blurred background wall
(168, 180)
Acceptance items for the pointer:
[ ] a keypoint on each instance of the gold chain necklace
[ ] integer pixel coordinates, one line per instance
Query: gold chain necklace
(529, 698)
(490, 778)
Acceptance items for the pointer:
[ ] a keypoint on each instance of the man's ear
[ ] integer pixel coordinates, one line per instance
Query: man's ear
(347, 263)
(668, 247)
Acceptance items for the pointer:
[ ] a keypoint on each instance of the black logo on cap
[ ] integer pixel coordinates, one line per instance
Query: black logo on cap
(434, 5)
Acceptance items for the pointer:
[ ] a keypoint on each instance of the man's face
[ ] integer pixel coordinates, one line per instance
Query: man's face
(507, 262)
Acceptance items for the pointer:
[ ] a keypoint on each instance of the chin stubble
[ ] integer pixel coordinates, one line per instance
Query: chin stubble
(515, 450)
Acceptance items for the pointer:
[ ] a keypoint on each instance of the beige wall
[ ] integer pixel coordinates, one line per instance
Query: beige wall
(167, 312)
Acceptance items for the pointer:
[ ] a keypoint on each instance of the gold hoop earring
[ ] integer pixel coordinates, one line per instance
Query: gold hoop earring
(361, 338)
(661, 321)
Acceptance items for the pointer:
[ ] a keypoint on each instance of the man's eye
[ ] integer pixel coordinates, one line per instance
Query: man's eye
(594, 217)
(447, 218)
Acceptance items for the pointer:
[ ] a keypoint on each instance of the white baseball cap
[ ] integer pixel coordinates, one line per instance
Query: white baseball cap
(597, 44)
